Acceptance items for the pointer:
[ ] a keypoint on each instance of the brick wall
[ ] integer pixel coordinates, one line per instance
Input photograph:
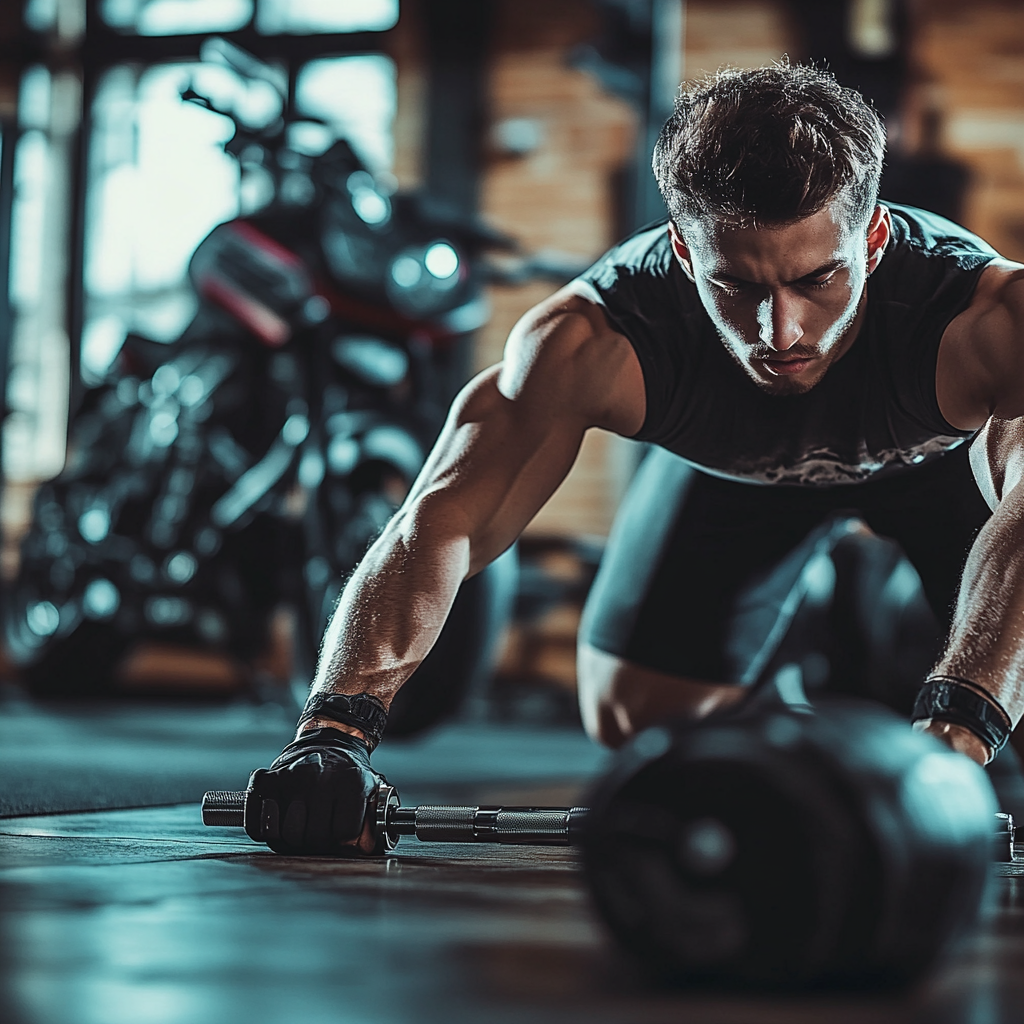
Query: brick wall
(968, 61)
(561, 196)
(558, 197)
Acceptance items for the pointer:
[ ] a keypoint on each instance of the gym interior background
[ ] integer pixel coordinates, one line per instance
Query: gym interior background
(527, 122)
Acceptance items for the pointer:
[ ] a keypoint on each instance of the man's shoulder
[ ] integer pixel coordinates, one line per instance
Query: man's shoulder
(645, 253)
(568, 343)
(920, 236)
(981, 360)
(929, 272)
(641, 287)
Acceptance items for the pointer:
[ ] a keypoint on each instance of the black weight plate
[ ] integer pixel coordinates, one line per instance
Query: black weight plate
(779, 848)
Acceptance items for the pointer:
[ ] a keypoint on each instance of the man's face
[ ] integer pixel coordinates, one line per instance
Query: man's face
(784, 299)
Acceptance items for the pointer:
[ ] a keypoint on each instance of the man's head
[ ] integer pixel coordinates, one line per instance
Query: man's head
(771, 179)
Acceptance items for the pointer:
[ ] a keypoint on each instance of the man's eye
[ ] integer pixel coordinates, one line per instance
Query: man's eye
(821, 282)
(729, 287)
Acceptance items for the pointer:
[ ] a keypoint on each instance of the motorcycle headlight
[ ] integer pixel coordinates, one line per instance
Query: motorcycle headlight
(422, 279)
(441, 261)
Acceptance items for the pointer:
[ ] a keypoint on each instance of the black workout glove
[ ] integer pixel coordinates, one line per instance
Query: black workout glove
(315, 796)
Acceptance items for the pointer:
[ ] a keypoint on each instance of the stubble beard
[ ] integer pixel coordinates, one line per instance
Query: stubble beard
(780, 386)
(825, 355)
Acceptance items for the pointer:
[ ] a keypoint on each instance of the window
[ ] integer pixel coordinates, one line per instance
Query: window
(272, 17)
(160, 180)
(176, 17)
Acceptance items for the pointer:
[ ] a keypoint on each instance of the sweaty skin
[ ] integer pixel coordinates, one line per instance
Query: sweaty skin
(788, 302)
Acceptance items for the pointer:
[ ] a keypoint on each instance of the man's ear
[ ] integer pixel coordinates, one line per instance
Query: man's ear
(879, 233)
(681, 250)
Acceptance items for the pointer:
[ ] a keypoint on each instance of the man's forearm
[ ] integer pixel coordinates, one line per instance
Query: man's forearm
(392, 608)
(986, 643)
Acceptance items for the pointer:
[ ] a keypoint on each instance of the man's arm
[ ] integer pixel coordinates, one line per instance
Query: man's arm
(511, 437)
(980, 383)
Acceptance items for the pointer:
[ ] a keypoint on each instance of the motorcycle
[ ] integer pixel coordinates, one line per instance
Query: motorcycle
(253, 461)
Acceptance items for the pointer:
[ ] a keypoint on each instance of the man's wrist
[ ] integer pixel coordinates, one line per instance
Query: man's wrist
(361, 714)
(958, 738)
(327, 723)
(956, 701)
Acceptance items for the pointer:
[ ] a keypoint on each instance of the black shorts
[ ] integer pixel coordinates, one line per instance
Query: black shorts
(686, 549)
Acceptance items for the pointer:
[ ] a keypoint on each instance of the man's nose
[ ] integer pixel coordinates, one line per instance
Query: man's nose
(778, 320)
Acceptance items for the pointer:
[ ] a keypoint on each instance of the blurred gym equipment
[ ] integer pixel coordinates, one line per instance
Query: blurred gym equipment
(251, 462)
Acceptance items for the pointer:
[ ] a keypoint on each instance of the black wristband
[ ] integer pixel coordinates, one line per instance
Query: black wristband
(950, 699)
(362, 711)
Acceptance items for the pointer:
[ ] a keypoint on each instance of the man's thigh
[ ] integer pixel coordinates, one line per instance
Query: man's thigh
(684, 546)
(689, 551)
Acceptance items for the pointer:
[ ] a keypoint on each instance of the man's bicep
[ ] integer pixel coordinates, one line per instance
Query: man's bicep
(497, 461)
(997, 458)
(980, 368)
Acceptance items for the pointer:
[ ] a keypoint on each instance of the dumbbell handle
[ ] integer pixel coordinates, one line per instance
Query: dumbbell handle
(525, 826)
(429, 823)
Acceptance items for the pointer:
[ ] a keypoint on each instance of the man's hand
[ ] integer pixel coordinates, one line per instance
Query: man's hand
(315, 798)
(961, 739)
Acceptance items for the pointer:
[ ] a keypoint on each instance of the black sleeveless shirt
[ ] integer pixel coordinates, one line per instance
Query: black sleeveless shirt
(875, 410)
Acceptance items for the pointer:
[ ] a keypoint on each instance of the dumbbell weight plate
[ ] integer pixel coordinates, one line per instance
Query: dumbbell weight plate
(387, 803)
(790, 849)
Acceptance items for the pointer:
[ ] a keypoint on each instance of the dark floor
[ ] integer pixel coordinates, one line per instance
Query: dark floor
(144, 916)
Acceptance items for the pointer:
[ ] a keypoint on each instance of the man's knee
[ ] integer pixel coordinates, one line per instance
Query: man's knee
(619, 698)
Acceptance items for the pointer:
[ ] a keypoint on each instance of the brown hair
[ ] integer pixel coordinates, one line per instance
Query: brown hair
(769, 146)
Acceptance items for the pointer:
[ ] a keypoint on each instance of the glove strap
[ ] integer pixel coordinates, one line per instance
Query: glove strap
(363, 711)
(951, 699)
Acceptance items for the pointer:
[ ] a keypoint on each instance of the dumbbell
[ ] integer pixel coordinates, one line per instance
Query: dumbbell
(511, 826)
(775, 847)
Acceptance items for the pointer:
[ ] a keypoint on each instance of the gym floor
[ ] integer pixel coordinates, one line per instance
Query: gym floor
(143, 916)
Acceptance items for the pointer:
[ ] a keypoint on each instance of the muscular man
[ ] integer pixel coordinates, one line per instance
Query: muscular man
(795, 348)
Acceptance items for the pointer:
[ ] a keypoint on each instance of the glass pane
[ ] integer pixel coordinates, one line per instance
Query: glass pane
(32, 174)
(37, 385)
(176, 17)
(41, 15)
(356, 97)
(159, 181)
(301, 16)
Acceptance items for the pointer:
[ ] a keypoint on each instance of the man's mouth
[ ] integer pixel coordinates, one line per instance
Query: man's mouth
(787, 367)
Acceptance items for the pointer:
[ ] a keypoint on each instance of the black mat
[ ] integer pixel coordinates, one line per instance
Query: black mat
(66, 757)
(93, 757)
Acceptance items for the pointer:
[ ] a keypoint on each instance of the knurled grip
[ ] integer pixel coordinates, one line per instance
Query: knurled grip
(431, 823)
(530, 826)
(542, 826)
(223, 807)
(446, 824)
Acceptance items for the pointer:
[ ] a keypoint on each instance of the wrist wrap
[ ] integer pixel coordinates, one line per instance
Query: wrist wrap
(362, 711)
(950, 699)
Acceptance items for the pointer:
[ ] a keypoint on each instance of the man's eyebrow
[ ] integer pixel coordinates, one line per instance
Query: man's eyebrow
(825, 268)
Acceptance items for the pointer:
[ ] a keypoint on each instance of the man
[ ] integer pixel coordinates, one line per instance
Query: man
(808, 349)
